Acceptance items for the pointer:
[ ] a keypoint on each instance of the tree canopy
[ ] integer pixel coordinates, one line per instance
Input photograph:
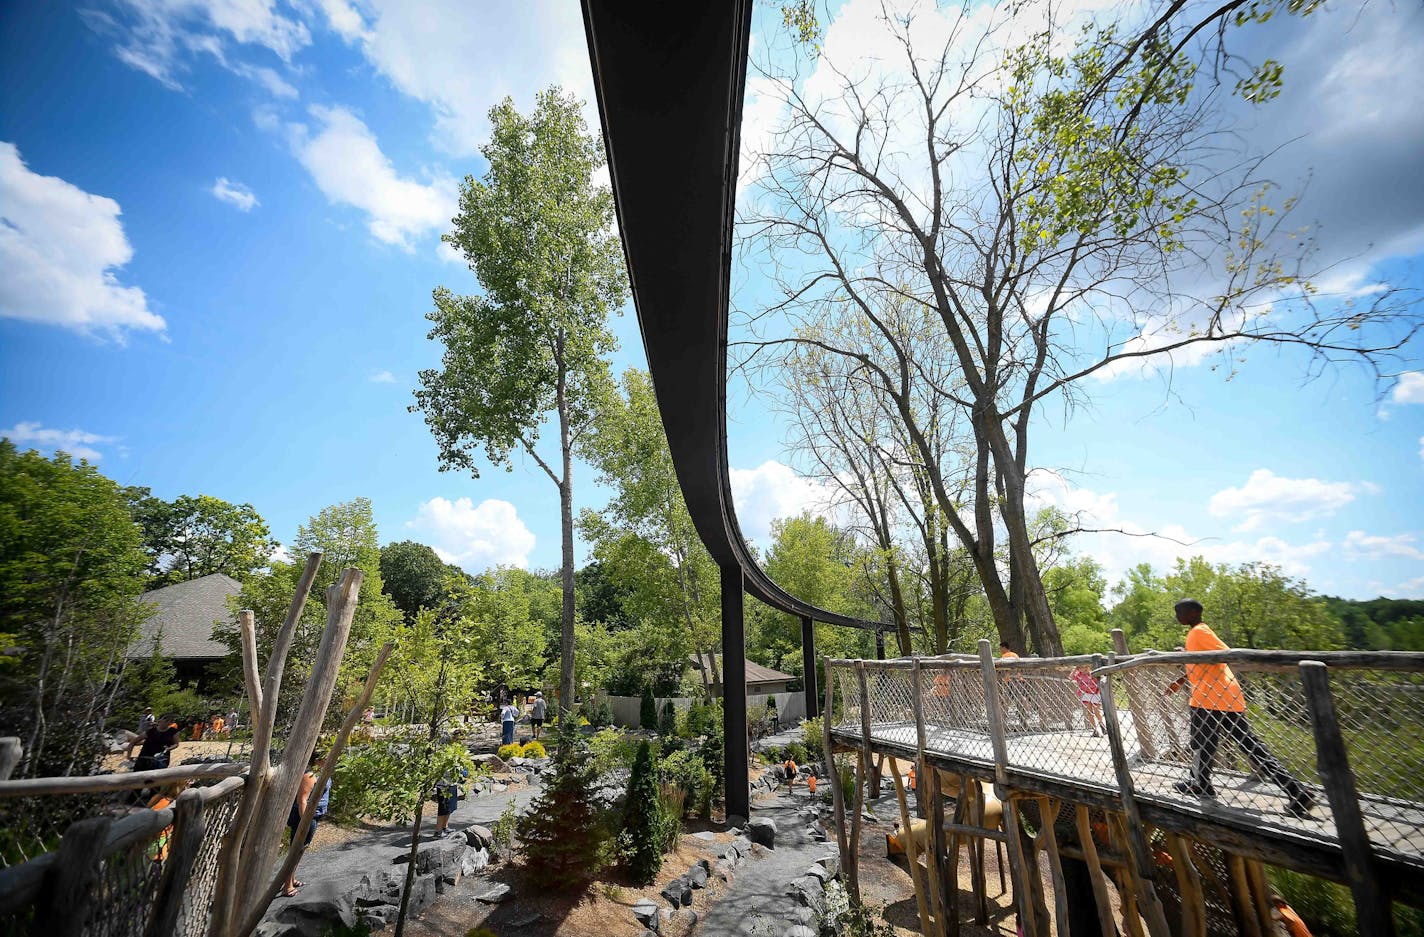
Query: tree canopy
(193, 536)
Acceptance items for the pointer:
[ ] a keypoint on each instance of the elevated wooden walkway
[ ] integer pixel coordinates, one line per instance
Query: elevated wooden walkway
(1352, 733)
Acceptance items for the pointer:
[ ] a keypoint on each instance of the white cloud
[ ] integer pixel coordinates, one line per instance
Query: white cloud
(1359, 544)
(475, 536)
(348, 166)
(1267, 497)
(772, 491)
(279, 554)
(156, 37)
(382, 377)
(235, 194)
(463, 58)
(1413, 589)
(1421, 448)
(1409, 388)
(60, 251)
(77, 442)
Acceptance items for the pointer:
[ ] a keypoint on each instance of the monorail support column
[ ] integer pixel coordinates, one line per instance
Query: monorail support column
(736, 746)
(808, 666)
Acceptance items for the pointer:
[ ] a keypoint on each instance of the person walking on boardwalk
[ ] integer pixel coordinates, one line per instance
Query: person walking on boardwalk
(1218, 707)
(1090, 695)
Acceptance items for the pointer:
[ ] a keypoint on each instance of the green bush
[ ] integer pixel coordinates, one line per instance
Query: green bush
(797, 753)
(811, 736)
(673, 800)
(641, 841)
(533, 749)
(512, 750)
(694, 721)
(1328, 909)
(667, 720)
(600, 713)
(502, 832)
(687, 770)
(711, 751)
(647, 710)
(384, 779)
(611, 749)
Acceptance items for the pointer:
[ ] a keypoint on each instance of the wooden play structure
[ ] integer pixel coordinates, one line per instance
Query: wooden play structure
(206, 864)
(1005, 751)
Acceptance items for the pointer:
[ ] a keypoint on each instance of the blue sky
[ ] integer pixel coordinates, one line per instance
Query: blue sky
(221, 229)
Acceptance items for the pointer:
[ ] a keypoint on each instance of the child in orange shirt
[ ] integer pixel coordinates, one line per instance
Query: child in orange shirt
(1218, 706)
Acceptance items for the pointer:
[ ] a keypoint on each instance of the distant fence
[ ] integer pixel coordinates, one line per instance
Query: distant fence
(790, 707)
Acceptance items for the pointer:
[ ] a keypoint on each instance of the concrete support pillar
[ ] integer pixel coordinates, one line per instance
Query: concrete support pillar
(737, 751)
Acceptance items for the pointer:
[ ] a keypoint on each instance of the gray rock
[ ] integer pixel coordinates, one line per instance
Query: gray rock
(492, 893)
(422, 893)
(820, 872)
(322, 905)
(525, 918)
(499, 788)
(686, 919)
(675, 891)
(807, 890)
(475, 859)
(480, 837)
(697, 876)
(832, 863)
(735, 820)
(491, 761)
(762, 830)
(645, 912)
(801, 915)
(801, 930)
(706, 835)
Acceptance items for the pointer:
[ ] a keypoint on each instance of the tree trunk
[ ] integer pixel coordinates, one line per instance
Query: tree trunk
(566, 573)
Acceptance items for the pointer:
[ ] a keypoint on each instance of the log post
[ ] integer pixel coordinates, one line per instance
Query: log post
(837, 794)
(1189, 886)
(1371, 903)
(1139, 715)
(72, 886)
(935, 817)
(10, 752)
(936, 860)
(912, 855)
(862, 774)
(1020, 870)
(1136, 841)
(189, 825)
(1047, 831)
(995, 714)
(1241, 899)
(1095, 872)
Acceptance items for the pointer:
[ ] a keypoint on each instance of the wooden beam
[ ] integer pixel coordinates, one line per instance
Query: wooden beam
(72, 886)
(837, 793)
(1020, 869)
(1371, 903)
(1189, 886)
(1152, 911)
(1139, 717)
(189, 825)
(129, 780)
(995, 714)
(1279, 661)
(1048, 833)
(1095, 872)
(912, 856)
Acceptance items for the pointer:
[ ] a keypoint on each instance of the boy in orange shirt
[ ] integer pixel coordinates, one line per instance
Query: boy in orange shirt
(1218, 706)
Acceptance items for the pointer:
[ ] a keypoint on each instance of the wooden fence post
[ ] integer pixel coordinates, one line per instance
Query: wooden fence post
(1139, 715)
(995, 715)
(72, 885)
(1371, 903)
(837, 793)
(1152, 910)
(189, 825)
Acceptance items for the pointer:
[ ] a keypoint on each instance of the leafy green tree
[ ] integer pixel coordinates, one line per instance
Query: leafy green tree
(565, 837)
(501, 611)
(647, 709)
(539, 237)
(414, 576)
(602, 598)
(71, 572)
(1075, 594)
(190, 537)
(641, 839)
(644, 537)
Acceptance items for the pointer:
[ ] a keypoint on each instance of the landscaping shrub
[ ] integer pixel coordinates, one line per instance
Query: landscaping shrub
(611, 749)
(644, 828)
(512, 750)
(385, 778)
(565, 837)
(797, 753)
(687, 770)
(672, 799)
(711, 752)
(667, 721)
(647, 710)
(533, 749)
(502, 832)
(811, 736)
(694, 721)
(600, 714)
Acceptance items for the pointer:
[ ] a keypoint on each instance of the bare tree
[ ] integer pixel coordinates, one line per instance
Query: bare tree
(1055, 215)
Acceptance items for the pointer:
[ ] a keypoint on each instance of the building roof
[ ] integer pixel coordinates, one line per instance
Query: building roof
(756, 673)
(186, 613)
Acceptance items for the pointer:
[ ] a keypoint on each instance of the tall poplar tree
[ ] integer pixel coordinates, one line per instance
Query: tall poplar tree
(538, 235)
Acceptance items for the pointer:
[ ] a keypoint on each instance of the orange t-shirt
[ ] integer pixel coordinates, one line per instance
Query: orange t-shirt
(1294, 925)
(1214, 686)
(941, 685)
(1008, 655)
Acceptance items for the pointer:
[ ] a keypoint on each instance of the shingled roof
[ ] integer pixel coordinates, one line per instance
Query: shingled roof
(186, 613)
(756, 673)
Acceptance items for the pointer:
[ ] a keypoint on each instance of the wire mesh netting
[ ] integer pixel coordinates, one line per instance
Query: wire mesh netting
(132, 865)
(1206, 736)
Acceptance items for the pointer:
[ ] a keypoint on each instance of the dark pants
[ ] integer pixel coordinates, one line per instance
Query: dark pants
(508, 735)
(1207, 728)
